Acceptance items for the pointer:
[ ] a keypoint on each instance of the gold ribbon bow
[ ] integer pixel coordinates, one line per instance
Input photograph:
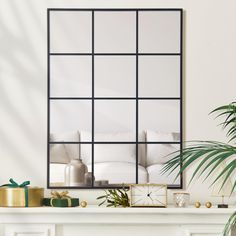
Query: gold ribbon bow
(62, 195)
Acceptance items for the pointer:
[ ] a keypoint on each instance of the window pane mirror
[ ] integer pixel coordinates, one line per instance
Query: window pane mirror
(114, 96)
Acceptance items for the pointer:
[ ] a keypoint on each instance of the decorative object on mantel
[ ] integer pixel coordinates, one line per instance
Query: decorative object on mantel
(75, 173)
(181, 199)
(61, 200)
(197, 204)
(20, 195)
(115, 198)
(208, 204)
(222, 191)
(83, 204)
(148, 195)
(212, 154)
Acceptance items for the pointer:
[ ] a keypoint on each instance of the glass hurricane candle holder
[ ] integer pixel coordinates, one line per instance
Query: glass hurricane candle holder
(181, 199)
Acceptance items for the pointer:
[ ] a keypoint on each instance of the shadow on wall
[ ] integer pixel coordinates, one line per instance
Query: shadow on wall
(23, 90)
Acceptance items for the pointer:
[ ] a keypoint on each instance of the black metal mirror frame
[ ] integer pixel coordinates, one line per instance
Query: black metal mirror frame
(93, 98)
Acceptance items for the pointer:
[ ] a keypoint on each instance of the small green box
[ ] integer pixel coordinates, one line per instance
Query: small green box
(64, 202)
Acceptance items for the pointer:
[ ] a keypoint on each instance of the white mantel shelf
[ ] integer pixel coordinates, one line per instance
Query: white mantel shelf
(103, 215)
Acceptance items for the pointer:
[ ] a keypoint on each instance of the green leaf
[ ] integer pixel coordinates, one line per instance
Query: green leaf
(104, 196)
(217, 157)
(231, 131)
(230, 112)
(110, 201)
(211, 154)
(234, 186)
(225, 107)
(102, 203)
(233, 138)
(203, 162)
(230, 167)
(230, 224)
(122, 194)
(227, 178)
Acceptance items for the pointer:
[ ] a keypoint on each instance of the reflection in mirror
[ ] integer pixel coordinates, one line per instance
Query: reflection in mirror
(70, 32)
(114, 164)
(159, 32)
(115, 76)
(159, 76)
(157, 155)
(70, 116)
(115, 32)
(67, 167)
(160, 116)
(115, 117)
(71, 76)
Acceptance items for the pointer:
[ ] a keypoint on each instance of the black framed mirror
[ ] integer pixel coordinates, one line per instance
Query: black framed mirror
(114, 95)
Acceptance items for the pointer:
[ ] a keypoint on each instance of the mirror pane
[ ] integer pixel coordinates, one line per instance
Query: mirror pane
(115, 120)
(159, 32)
(71, 76)
(70, 116)
(157, 156)
(67, 168)
(115, 76)
(115, 32)
(160, 116)
(159, 76)
(114, 164)
(70, 32)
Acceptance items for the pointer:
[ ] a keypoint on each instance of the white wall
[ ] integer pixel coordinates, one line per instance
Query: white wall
(210, 55)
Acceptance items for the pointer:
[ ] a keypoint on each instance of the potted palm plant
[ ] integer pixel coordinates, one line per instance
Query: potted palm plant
(209, 155)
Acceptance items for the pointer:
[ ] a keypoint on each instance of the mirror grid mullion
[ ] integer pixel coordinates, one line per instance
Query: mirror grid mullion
(93, 99)
(137, 129)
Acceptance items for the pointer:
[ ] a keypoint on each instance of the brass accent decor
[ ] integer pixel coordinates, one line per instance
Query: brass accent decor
(84, 204)
(208, 204)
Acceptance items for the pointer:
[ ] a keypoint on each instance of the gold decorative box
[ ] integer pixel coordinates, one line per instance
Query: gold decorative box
(16, 197)
(20, 195)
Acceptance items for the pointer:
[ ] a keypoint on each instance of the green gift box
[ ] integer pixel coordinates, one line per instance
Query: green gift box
(56, 202)
(61, 200)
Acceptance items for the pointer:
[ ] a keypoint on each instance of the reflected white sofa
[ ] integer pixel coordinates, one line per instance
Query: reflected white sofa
(115, 162)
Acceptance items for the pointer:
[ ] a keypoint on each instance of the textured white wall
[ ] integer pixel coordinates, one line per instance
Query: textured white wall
(210, 55)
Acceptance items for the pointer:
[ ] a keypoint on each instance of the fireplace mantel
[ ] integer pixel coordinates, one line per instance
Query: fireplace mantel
(186, 221)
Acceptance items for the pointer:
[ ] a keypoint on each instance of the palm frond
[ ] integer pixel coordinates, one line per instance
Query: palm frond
(211, 155)
(230, 121)
(230, 224)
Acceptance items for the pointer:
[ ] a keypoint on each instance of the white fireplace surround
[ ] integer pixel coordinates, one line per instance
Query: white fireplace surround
(102, 221)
